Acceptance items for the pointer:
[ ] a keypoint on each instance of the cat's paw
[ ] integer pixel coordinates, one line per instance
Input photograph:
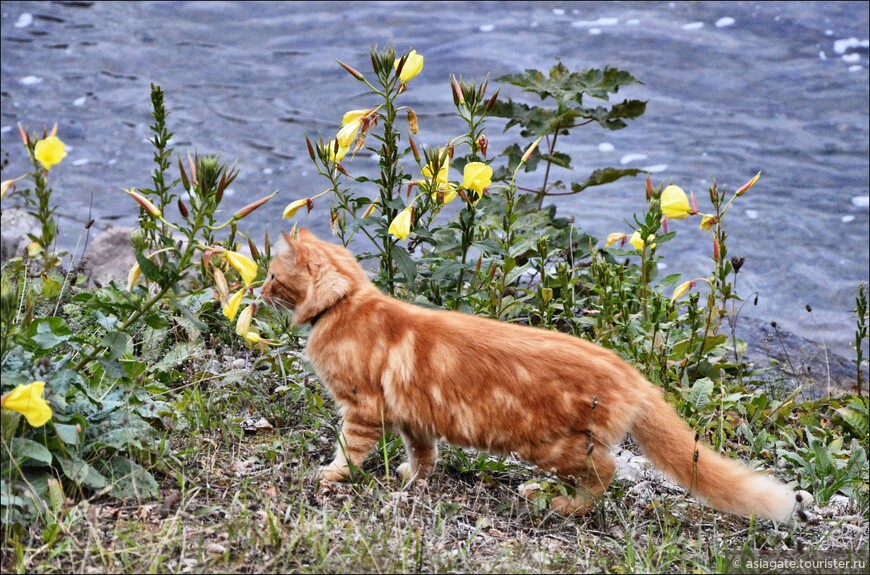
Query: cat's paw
(332, 473)
(418, 475)
(404, 471)
(566, 505)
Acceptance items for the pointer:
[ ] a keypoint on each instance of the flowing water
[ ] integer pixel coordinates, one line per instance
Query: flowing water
(733, 88)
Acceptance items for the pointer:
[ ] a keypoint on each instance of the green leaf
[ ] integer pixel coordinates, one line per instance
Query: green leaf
(67, 433)
(49, 332)
(857, 421)
(74, 468)
(407, 266)
(116, 343)
(670, 280)
(149, 268)
(23, 449)
(129, 479)
(604, 176)
(699, 394)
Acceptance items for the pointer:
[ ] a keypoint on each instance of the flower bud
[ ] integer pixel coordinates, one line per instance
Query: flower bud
(745, 187)
(414, 150)
(355, 73)
(482, 144)
(649, 188)
(153, 210)
(528, 154)
(220, 284)
(133, 276)
(182, 209)
(492, 100)
(457, 91)
(370, 210)
(310, 148)
(716, 249)
(25, 139)
(253, 206)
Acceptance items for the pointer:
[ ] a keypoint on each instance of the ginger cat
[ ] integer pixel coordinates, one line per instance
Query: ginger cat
(555, 400)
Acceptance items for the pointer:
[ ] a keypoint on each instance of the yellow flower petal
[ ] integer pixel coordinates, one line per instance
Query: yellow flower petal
(133, 276)
(401, 225)
(636, 241)
(707, 222)
(413, 66)
(476, 176)
(354, 116)
(252, 337)
(246, 267)
(232, 308)
(347, 133)
(613, 238)
(49, 151)
(243, 325)
(446, 193)
(333, 155)
(675, 203)
(28, 401)
(294, 207)
(682, 289)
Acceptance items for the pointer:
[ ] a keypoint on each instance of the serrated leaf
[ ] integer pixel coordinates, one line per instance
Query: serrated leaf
(699, 394)
(857, 421)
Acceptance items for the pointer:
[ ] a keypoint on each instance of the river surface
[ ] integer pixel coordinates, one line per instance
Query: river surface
(733, 88)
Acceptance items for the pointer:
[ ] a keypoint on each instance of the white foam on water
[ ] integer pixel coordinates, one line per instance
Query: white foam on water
(605, 147)
(30, 80)
(840, 46)
(852, 58)
(594, 31)
(5, 129)
(267, 171)
(534, 25)
(628, 158)
(663, 266)
(113, 161)
(24, 20)
(558, 12)
(487, 28)
(81, 162)
(861, 201)
(856, 68)
(656, 168)
(723, 22)
(595, 23)
(229, 192)
(752, 214)
(829, 32)
(633, 22)
(822, 55)
(80, 101)
(693, 26)
(847, 219)
(375, 158)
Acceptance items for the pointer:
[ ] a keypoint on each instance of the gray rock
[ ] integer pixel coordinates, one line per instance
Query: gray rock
(110, 257)
(799, 361)
(15, 224)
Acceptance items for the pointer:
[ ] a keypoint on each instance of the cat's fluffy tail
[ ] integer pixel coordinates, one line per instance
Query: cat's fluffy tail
(726, 484)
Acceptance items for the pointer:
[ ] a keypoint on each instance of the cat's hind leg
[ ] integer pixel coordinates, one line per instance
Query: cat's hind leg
(422, 455)
(358, 437)
(585, 464)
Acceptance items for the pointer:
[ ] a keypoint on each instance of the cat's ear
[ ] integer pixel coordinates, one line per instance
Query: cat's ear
(289, 247)
(305, 235)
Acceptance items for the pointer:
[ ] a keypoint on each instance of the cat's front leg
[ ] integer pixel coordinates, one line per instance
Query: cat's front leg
(358, 437)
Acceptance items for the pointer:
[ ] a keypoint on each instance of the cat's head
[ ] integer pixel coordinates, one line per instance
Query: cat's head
(308, 276)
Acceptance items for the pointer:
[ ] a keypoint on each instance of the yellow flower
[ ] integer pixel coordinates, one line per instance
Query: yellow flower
(675, 203)
(613, 238)
(49, 151)
(745, 187)
(442, 173)
(476, 176)
(636, 241)
(401, 226)
(294, 207)
(347, 133)
(333, 155)
(243, 325)
(232, 307)
(413, 66)
(133, 276)
(27, 400)
(252, 337)
(446, 192)
(707, 222)
(246, 267)
(682, 289)
(354, 116)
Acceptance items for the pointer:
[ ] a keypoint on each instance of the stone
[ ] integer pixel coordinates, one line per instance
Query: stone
(15, 224)
(110, 257)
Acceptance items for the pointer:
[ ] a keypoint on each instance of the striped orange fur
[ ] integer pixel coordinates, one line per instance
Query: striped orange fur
(557, 401)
